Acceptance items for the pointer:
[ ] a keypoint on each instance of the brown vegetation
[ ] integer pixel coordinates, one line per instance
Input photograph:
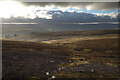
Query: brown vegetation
(91, 58)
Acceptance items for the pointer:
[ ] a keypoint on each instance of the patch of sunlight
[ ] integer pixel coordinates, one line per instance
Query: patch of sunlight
(77, 58)
(48, 42)
(78, 63)
(74, 61)
(109, 64)
(34, 77)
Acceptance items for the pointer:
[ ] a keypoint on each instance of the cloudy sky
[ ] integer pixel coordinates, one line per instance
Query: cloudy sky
(52, 13)
(33, 10)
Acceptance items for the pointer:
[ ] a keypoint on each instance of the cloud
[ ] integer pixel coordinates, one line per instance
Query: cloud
(112, 15)
(43, 14)
(33, 10)
(15, 9)
(77, 5)
(39, 14)
(65, 17)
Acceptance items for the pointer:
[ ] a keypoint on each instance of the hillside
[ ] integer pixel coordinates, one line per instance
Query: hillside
(73, 60)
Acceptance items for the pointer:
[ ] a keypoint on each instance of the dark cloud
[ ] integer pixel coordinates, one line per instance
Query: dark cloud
(77, 5)
(65, 17)
(61, 21)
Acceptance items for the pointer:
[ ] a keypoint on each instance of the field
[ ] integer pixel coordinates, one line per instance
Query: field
(72, 54)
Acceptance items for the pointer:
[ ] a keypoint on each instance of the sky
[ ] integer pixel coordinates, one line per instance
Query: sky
(54, 16)
(32, 10)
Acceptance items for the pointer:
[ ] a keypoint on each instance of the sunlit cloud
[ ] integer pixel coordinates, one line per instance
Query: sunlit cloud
(15, 9)
(44, 14)
(112, 14)
(10, 8)
(34, 10)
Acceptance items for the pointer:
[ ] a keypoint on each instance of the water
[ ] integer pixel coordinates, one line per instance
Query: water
(28, 28)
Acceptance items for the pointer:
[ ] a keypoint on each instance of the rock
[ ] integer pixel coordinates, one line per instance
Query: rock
(59, 69)
(53, 77)
(47, 73)
(92, 70)
(62, 67)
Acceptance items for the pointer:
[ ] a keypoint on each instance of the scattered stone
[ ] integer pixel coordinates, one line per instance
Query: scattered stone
(47, 73)
(77, 64)
(53, 77)
(70, 61)
(92, 70)
(62, 67)
(59, 69)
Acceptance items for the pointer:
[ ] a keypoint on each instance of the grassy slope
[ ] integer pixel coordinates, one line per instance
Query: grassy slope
(29, 59)
(100, 55)
(33, 60)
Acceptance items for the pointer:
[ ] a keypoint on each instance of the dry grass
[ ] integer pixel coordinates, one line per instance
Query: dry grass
(32, 59)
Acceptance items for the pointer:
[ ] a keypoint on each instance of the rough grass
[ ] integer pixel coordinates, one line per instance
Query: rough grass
(96, 54)
(32, 60)
(27, 59)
